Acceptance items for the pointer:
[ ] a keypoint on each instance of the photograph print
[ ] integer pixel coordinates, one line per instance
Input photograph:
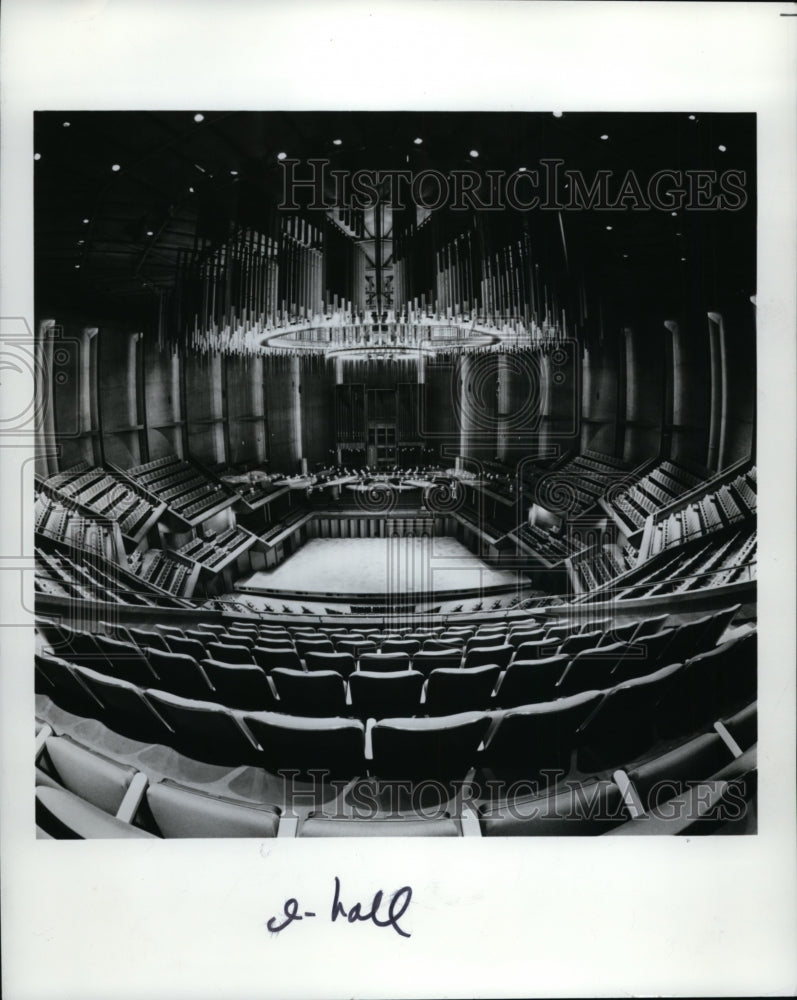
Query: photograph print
(395, 474)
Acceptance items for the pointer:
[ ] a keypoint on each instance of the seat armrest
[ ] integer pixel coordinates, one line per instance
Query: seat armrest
(631, 798)
(368, 752)
(728, 740)
(43, 735)
(133, 796)
(288, 826)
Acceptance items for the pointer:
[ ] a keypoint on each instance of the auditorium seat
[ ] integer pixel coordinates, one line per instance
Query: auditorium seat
(624, 725)
(125, 660)
(743, 726)
(526, 682)
(216, 627)
(580, 810)
(188, 812)
(318, 693)
(144, 639)
(202, 636)
(517, 638)
(342, 663)
(444, 645)
(94, 777)
(591, 669)
(375, 694)
(479, 656)
(236, 685)
(273, 642)
(356, 646)
(643, 655)
(484, 642)
(177, 673)
(68, 817)
(319, 825)
(269, 658)
(430, 659)
(618, 633)
(168, 630)
(582, 640)
(204, 730)
(383, 662)
(335, 746)
(247, 641)
(535, 738)
(186, 647)
(76, 646)
(66, 688)
(408, 646)
(649, 626)
(444, 747)
(125, 709)
(229, 653)
(451, 691)
(303, 646)
(536, 649)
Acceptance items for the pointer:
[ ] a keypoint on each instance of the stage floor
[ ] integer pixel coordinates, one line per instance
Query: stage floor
(378, 566)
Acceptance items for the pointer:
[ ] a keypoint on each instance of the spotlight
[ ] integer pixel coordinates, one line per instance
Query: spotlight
(77, 267)
(282, 156)
(674, 214)
(604, 137)
(337, 142)
(683, 258)
(150, 232)
(190, 190)
(609, 229)
(66, 124)
(418, 141)
(722, 149)
(199, 118)
(233, 173)
(85, 222)
(116, 168)
(474, 153)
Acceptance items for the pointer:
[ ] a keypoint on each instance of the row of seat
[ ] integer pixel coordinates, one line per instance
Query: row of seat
(82, 794)
(605, 727)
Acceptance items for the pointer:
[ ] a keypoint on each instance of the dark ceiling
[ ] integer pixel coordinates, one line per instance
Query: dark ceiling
(108, 238)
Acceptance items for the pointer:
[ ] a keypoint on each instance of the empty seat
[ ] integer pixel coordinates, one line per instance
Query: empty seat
(67, 817)
(271, 642)
(187, 647)
(479, 656)
(536, 649)
(518, 637)
(318, 825)
(687, 640)
(216, 627)
(94, 777)
(384, 662)
(451, 691)
(624, 725)
(672, 773)
(428, 660)
(588, 809)
(236, 640)
(650, 626)
(238, 685)
(303, 646)
(743, 726)
(356, 646)
(146, 639)
(445, 747)
(644, 655)
(205, 731)
(619, 633)
(444, 645)
(125, 660)
(484, 642)
(125, 709)
(408, 646)
(716, 682)
(200, 635)
(374, 695)
(187, 812)
(270, 658)
(228, 653)
(591, 669)
(342, 663)
(65, 687)
(535, 738)
(317, 693)
(179, 674)
(558, 633)
(76, 646)
(331, 745)
(582, 640)
(168, 629)
(526, 682)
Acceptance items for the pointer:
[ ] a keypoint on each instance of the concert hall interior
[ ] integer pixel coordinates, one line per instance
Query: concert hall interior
(395, 474)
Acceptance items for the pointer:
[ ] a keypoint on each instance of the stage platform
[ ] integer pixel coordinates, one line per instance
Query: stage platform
(355, 567)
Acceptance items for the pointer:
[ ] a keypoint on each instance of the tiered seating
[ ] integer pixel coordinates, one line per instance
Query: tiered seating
(60, 576)
(553, 547)
(106, 494)
(213, 551)
(586, 478)
(656, 489)
(186, 490)
(163, 571)
(598, 566)
(223, 726)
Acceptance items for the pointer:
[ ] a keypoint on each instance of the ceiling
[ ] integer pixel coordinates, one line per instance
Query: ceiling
(119, 194)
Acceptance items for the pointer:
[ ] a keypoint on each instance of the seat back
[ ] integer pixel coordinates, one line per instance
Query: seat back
(536, 649)
(582, 640)
(179, 674)
(125, 660)
(445, 747)
(236, 640)
(526, 682)
(321, 645)
(408, 646)
(145, 639)
(375, 695)
(480, 656)
(449, 692)
(268, 658)
(238, 685)
(187, 647)
(384, 662)
(229, 652)
(293, 743)
(86, 773)
(205, 730)
(342, 663)
(429, 659)
(126, 710)
(319, 693)
(188, 812)
(591, 669)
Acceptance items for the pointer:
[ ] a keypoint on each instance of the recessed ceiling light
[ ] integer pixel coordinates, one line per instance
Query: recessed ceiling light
(693, 118)
(150, 232)
(673, 214)
(282, 156)
(557, 114)
(234, 173)
(66, 124)
(604, 136)
(115, 167)
(683, 258)
(722, 148)
(474, 153)
(678, 234)
(77, 267)
(199, 117)
(521, 170)
(418, 141)
(37, 156)
(337, 142)
(80, 243)
(190, 190)
(609, 228)
(625, 256)
(85, 222)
